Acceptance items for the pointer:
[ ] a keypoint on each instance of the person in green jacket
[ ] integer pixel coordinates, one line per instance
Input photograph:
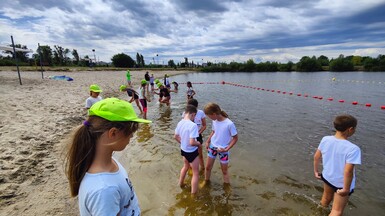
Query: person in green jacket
(128, 75)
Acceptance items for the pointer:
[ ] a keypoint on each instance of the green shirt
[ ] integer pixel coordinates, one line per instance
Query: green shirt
(128, 75)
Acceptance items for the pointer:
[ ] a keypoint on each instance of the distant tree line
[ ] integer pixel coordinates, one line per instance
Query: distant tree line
(306, 64)
(60, 56)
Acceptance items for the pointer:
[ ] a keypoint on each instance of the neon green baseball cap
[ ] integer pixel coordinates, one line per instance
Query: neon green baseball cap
(159, 85)
(122, 87)
(143, 81)
(95, 88)
(114, 109)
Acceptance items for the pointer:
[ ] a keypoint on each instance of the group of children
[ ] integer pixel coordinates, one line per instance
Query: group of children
(104, 188)
(222, 138)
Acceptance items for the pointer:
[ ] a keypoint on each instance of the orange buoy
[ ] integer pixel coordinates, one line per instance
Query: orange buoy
(354, 102)
(341, 101)
(368, 105)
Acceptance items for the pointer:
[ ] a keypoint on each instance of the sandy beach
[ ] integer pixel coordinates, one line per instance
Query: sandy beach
(35, 121)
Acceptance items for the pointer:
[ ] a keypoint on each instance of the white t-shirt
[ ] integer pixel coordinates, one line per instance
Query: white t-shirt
(91, 100)
(190, 91)
(224, 131)
(141, 92)
(198, 118)
(108, 194)
(335, 154)
(187, 129)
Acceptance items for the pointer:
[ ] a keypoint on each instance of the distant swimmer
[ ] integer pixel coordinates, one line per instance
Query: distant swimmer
(334, 79)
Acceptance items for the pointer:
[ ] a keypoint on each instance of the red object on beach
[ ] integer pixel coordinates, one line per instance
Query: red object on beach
(278, 91)
(320, 98)
(382, 107)
(341, 101)
(354, 102)
(283, 92)
(298, 95)
(316, 97)
(330, 99)
(368, 105)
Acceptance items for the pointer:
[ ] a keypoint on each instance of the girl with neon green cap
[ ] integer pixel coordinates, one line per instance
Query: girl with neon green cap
(100, 181)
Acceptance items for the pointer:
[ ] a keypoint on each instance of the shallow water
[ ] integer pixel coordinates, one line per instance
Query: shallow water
(272, 164)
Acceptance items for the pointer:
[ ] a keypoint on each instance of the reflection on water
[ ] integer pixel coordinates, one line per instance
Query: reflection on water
(144, 133)
(212, 199)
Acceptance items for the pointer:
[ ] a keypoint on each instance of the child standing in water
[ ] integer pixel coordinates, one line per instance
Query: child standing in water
(94, 95)
(200, 120)
(190, 91)
(186, 133)
(339, 156)
(142, 97)
(100, 181)
(222, 138)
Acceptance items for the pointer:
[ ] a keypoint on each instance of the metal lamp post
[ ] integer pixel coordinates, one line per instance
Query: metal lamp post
(93, 50)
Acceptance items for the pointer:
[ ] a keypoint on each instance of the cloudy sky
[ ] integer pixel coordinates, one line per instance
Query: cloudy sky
(202, 30)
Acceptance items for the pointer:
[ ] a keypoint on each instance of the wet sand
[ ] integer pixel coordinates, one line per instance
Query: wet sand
(36, 119)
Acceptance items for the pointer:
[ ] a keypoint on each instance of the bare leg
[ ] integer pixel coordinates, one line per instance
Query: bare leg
(225, 172)
(183, 171)
(327, 195)
(195, 178)
(339, 203)
(209, 167)
(201, 161)
(137, 104)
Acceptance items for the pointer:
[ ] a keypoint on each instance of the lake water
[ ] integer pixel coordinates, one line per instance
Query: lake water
(271, 166)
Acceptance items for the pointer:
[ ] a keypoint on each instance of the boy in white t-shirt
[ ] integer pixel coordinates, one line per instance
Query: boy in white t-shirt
(200, 120)
(186, 133)
(339, 156)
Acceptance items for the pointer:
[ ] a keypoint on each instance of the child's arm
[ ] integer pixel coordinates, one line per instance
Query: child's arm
(317, 159)
(194, 142)
(348, 177)
(232, 143)
(177, 137)
(203, 128)
(209, 139)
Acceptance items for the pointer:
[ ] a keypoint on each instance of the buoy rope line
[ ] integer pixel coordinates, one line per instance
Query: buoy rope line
(318, 80)
(284, 92)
